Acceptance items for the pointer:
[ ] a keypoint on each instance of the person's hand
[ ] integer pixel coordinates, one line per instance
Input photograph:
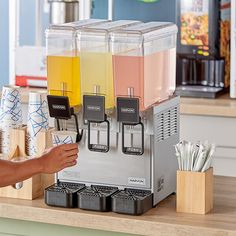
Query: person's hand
(58, 158)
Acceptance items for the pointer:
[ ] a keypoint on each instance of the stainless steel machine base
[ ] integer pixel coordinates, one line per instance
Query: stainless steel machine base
(154, 171)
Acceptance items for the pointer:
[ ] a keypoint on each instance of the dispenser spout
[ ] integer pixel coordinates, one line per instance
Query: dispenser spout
(131, 92)
(96, 89)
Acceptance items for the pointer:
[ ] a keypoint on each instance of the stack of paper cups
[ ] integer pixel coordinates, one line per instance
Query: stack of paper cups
(38, 119)
(10, 114)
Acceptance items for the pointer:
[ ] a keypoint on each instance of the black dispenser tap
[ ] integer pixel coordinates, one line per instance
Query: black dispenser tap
(128, 115)
(94, 113)
(59, 108)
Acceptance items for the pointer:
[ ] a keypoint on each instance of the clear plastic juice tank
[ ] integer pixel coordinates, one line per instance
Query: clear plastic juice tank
(144, 62)
(63, 62)
(96, 59)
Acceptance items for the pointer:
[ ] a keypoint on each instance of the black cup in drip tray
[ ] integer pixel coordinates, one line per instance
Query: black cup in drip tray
(63, 194)
(132, 201)
(96, 198)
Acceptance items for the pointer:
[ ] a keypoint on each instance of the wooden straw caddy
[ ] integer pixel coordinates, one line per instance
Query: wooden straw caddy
(32, 187)
(194, 191)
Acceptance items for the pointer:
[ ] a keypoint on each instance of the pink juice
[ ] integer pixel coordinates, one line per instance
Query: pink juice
(128, 73)
(152, 77)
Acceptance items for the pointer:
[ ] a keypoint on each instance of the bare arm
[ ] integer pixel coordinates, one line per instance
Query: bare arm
(53, 161)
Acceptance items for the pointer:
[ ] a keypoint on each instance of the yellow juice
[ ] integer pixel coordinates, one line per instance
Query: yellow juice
(96, 70)
(62, 69)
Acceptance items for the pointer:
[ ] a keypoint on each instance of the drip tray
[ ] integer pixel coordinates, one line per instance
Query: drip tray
(63, 194)
(96, 198)
(132, 201)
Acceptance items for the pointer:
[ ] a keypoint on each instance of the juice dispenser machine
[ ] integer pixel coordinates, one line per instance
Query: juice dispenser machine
(130, 166)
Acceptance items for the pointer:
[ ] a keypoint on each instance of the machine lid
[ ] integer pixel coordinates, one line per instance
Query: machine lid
(148, 31)
(101, 32)
(150, 26)
(73, 26)
(110, 26)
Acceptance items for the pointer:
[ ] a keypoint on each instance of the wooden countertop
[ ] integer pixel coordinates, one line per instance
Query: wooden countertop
(161, 220)
(223, 106)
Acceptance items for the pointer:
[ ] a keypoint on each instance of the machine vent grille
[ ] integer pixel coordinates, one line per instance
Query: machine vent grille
(166, 124)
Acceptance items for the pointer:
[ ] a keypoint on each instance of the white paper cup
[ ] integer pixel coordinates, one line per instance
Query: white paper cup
(38, 115)
(10, 115)
(5, 141)
(10, 108)
(38, 119)
(32, 146)
(63, 137)
(5, 130)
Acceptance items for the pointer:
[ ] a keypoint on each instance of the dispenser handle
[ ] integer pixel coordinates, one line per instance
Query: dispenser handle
(138, 151)
(79, 133)
(99, 147)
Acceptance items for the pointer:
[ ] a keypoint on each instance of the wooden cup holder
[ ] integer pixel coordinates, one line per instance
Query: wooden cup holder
(33, 187)
(194, 191)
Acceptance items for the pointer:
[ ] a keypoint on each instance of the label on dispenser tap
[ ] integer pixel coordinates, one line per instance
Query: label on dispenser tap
(93, 108)
(59, 107)
(128, 110)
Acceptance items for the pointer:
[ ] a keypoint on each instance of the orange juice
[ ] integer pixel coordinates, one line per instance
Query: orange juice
(64, 70)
